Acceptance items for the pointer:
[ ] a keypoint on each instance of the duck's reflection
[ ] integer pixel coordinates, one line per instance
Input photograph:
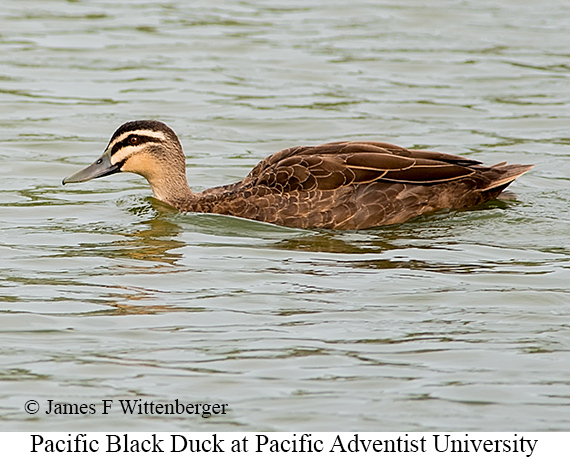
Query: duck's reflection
(159, 242)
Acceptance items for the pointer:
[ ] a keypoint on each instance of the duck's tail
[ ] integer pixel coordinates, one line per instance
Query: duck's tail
(505, 174)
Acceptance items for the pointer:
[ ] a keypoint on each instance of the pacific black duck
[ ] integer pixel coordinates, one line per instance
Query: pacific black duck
(343, 185)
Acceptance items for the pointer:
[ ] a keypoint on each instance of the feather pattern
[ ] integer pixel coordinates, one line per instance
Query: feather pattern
(355, 185)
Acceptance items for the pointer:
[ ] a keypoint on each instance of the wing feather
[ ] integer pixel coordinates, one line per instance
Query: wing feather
(335, 165)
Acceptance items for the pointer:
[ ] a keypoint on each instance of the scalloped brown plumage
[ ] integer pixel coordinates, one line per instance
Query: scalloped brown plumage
(342, 185)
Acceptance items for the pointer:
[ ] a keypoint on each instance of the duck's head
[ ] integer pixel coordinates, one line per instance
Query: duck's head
(147, 147)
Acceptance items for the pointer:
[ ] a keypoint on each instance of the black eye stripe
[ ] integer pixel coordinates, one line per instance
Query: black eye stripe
(127, 142)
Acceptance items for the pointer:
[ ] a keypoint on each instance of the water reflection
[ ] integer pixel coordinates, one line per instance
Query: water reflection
(154, 242)
(332, 243)
(152, 239)
(117, 307)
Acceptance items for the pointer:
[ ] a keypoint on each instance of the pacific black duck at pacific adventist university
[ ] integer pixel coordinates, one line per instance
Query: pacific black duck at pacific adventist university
(343, 185)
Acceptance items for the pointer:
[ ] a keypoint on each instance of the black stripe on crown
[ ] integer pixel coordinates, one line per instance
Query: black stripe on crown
(157, 126)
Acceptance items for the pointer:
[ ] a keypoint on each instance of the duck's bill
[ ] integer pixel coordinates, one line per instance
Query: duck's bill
(101, 167)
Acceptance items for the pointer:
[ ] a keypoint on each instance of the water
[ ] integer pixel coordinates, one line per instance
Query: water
(454, 321)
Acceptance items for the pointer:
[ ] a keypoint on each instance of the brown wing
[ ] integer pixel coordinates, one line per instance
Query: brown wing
(334, 165)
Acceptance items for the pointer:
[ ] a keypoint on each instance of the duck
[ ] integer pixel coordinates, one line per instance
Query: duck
(345, 185)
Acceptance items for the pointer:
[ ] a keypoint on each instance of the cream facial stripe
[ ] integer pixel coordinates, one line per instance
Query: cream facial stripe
(120, 149)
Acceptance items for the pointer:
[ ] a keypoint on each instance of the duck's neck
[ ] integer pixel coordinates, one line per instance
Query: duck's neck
(172, 189)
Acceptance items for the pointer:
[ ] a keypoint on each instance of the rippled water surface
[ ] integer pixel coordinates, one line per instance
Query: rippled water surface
(454, 321)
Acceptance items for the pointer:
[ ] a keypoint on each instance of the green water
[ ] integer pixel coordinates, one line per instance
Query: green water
(456, 321)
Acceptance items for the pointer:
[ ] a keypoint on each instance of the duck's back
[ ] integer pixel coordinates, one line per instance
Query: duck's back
(354, 185)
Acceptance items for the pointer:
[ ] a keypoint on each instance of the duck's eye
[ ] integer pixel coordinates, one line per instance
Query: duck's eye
(134, 140)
